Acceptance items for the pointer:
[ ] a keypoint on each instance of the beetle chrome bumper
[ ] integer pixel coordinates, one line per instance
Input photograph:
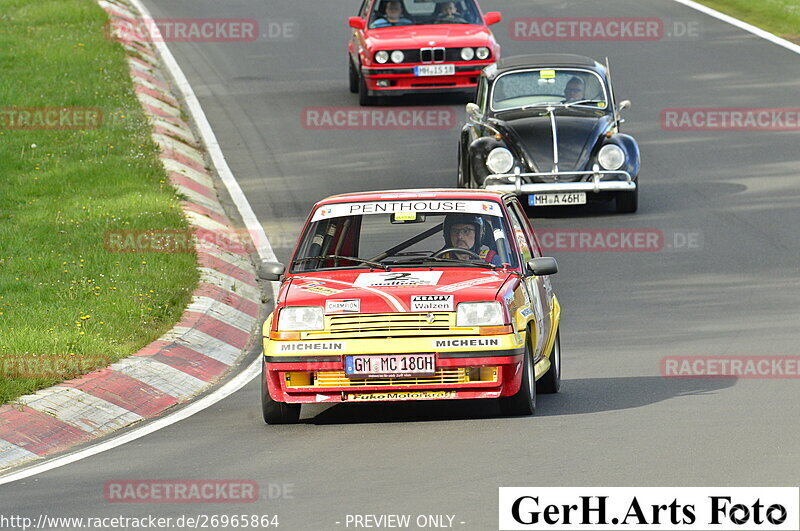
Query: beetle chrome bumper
(512, 182)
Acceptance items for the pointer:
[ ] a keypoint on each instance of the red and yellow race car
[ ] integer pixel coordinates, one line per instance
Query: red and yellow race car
(411, 46)
(412, 295)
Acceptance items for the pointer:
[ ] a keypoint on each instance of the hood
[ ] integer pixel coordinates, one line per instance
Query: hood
(577, 136)
(401, 290)
(413, 37)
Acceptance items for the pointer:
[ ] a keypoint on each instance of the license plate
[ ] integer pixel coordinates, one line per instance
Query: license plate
(569, 198)
(398, 365)
(434, 70)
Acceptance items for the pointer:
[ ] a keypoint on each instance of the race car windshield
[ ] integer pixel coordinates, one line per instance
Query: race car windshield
(382, 238)
(423, 12)
(538, 88)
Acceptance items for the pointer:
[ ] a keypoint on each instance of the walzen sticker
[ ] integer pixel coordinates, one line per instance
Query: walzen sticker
(343, 306)
(443, 206)
(432, 303)
(312, 346)
(398, 279)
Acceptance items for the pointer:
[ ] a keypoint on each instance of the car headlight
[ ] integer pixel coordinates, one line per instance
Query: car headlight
(467, 54)
(611, 157)
(382, 56)
(301, 318)
(479, 314)
(500, 160)
(397, 56)
(482, 53)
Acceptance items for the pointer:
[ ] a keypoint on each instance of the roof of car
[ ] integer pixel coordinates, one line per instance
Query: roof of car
(421, 193)
(544, 59)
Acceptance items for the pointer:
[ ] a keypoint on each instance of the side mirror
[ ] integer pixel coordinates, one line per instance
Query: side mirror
(473, 111)
(492, 17)
(356, 23)
(271, 270)
(624, 104)
(545, 265)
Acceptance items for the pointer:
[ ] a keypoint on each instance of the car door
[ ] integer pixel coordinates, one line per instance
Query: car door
(358, 41)
(539, 287)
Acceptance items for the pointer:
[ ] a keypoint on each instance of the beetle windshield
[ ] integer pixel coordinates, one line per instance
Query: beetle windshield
(542, 87)
(387, 13)
(396, 234)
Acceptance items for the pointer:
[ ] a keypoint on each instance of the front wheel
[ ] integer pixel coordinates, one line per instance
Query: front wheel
(353, 73)
(523, 402)
(276, 412)
(364, 98)
(628, 202)
(550, 382)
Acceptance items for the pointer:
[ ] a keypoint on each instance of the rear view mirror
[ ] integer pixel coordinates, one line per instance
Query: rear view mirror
(271, 270)
(545, 265)
(473, 111)
(356, 23)
(624, 104)
(492, 17)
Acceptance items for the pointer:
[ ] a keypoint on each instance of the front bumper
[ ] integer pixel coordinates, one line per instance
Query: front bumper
(466, 367)
(401, 81)
(601, 181)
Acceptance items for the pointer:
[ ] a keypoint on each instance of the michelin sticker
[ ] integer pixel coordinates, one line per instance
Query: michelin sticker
(398, 279)
(432, 303)
(309, 346)
(343, 306)
(466, 342)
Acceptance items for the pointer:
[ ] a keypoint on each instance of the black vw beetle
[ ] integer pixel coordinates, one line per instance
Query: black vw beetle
(546, 126)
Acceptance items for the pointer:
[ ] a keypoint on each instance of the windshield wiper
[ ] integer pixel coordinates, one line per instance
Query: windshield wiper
(557, 104)
(439, 259)
(336, 256)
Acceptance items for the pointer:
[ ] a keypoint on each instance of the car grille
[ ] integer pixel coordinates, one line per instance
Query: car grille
(389, 325)
(436, 55)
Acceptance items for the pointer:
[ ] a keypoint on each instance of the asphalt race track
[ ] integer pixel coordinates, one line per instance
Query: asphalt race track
(725, 283)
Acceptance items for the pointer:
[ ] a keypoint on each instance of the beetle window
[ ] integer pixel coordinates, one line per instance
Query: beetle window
(547, 86)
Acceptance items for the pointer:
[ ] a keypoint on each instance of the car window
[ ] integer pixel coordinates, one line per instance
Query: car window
(547, 86)
(362, 11)
(536, 249)
(424, 12)
(520, 234)
(391, 237)
(481, 97)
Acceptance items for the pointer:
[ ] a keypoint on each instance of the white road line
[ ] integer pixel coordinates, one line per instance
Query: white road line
(226, 390)
(742, 25)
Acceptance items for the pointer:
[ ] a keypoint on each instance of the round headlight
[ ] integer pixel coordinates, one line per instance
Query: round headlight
(500, 160)
(397, 56)
(382, 56)
(483, 53)
(611, 157)
(467, 54)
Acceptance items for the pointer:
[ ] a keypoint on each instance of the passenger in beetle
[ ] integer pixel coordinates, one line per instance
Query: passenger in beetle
(392, 16)
(574, 90)
(466, 231)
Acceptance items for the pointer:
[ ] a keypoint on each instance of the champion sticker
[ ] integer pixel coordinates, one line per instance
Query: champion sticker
(432, 303)
(468, 284)
(309, 346)
(398, 279)
(343, 306)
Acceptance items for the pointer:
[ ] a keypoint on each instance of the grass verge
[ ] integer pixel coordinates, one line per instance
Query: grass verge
(781, 17)
(67, 305)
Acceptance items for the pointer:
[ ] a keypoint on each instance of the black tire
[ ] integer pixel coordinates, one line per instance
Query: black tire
(276, 412)
(628, 202)
(353, 76)
(364, 98)
(550, 382)
(523, 403)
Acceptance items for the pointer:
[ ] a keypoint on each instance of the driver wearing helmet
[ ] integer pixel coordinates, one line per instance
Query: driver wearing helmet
(465, 231)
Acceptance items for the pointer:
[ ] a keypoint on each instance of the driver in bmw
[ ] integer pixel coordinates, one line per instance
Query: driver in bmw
(465, 231)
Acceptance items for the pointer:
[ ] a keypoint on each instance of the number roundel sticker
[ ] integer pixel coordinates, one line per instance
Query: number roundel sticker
(398, 279)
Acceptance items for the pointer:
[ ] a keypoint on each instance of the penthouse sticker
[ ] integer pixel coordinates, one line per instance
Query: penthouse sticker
(444, 206)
